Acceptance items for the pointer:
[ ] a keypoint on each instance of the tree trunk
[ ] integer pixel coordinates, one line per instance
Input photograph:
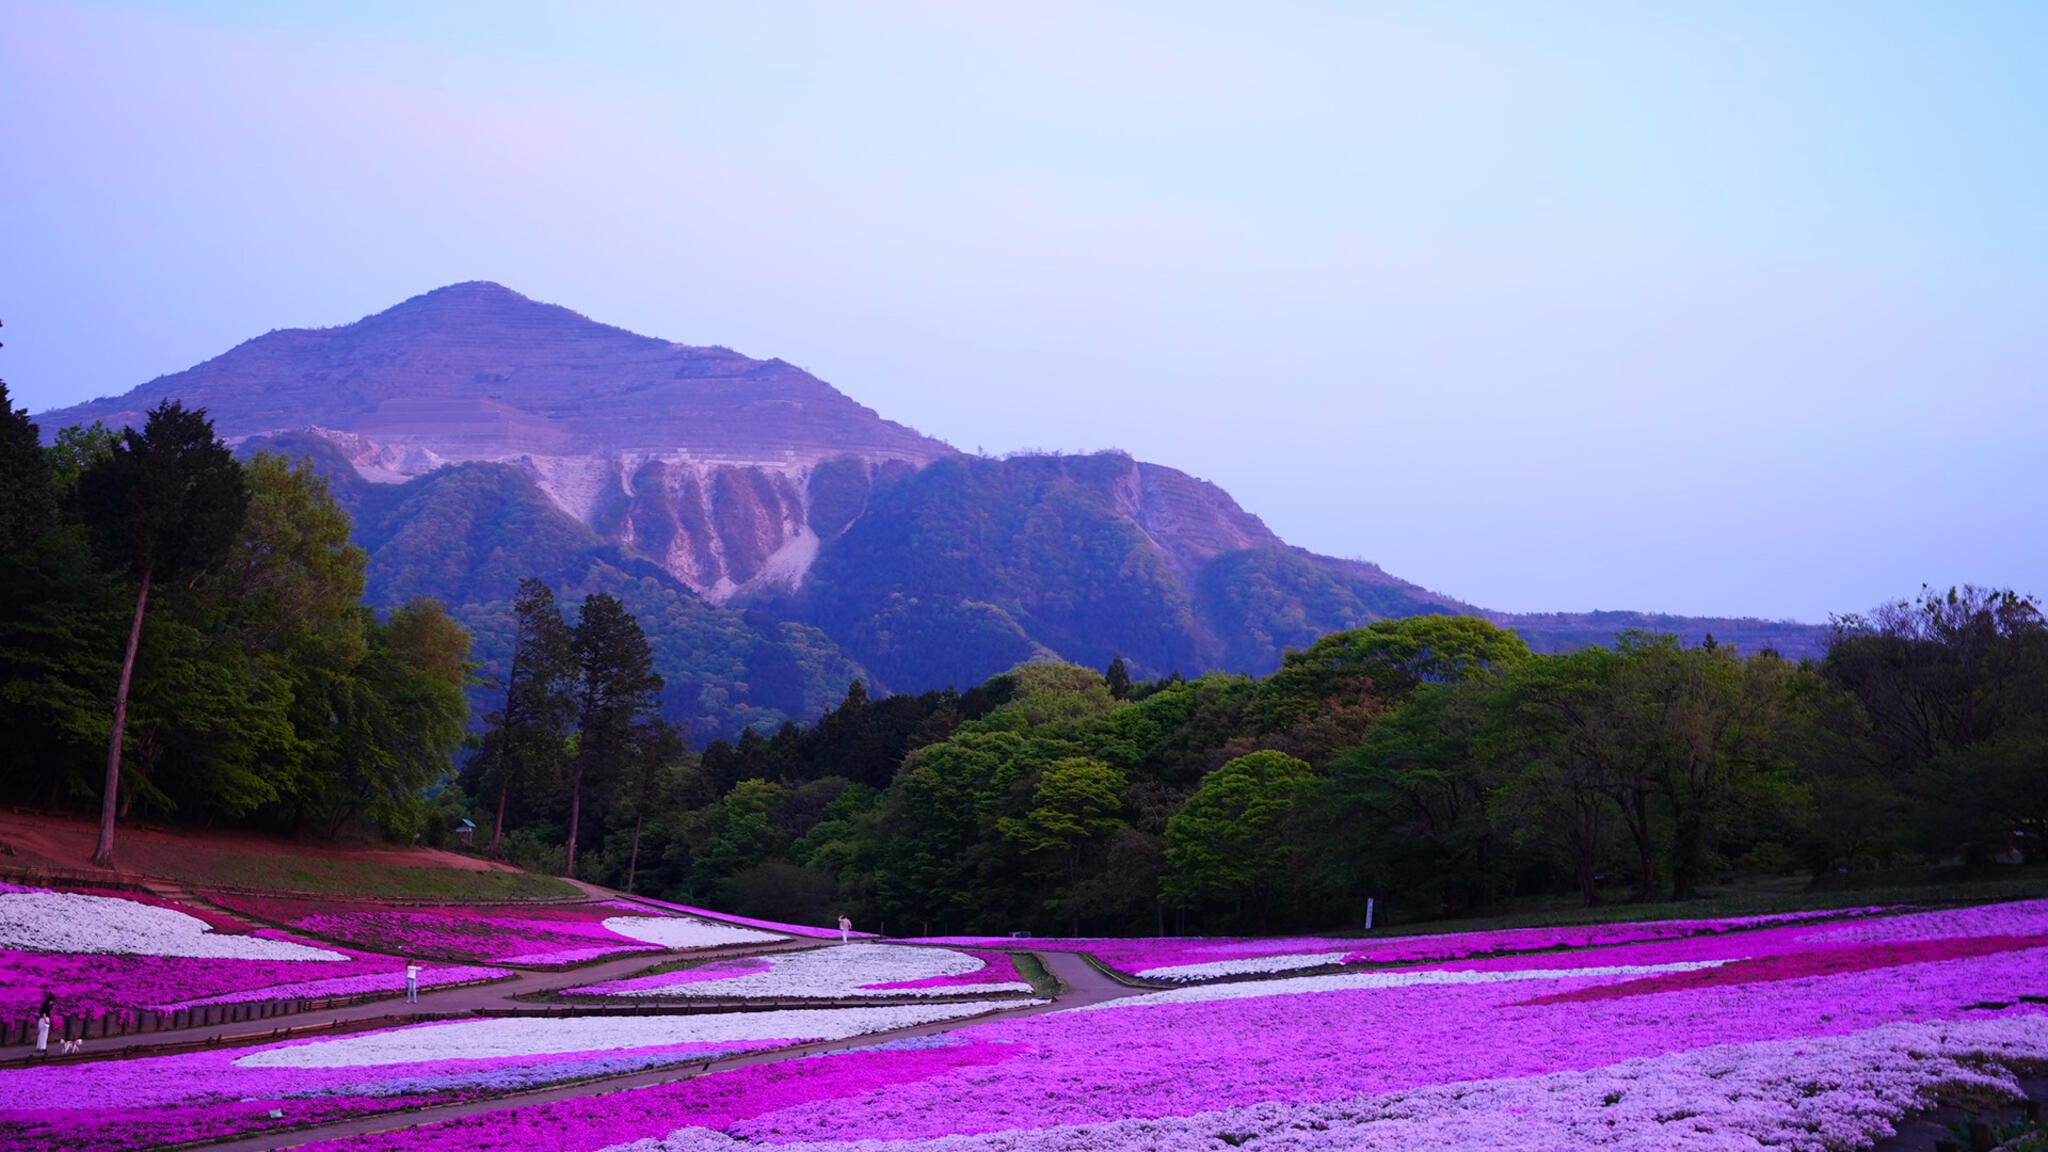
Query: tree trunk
(110, 796)
(575, 815)
(498, 831)
(633, 861)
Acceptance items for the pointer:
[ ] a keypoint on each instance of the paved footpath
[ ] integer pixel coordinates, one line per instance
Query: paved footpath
(1083, 983)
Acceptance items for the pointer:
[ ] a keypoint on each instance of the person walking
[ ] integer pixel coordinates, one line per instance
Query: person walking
(412, 982)
(845, 928)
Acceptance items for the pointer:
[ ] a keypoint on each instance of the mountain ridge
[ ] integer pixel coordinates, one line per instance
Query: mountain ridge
(817, 538)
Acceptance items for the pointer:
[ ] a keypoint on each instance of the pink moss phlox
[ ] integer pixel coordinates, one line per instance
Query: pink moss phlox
(588, 1123)
(431, 976)
(997, 968)
(1140, 955)
(519, 934)
(1179, 1059)
(93, 983)
(750, 922)
(1800, 965)
(716, 970)
(108, 1105)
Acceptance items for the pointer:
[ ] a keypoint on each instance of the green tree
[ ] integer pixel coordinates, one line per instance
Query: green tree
(1230, 843)
(1953, 689)
(401, 719)
(166, 503)
(1385, 660)
(649, 780)
(1118, 678)
(1403, 816)
(1076, 802)
(746, 833)
(616, 687)
(59, 623)
(28, 507)
(526, 743)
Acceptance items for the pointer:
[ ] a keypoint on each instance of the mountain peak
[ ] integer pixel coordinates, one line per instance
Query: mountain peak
(477, 371)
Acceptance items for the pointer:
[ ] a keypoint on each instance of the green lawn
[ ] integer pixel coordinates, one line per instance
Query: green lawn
(329, 876)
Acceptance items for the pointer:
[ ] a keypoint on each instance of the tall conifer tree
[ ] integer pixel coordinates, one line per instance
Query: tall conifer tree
(166, 503)
(616, 685)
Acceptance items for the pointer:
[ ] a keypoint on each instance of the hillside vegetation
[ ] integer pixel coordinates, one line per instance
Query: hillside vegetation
(1433, 765)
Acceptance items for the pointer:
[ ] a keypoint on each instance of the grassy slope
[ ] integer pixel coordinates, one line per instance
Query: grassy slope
(53, 845)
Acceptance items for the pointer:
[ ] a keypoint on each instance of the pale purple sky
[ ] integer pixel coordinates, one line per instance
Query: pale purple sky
(1727, 308)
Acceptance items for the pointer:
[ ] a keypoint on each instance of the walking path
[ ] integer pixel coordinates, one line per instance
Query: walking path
(1083, 985)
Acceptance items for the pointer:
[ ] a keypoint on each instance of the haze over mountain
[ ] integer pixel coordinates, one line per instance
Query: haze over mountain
(778, 537)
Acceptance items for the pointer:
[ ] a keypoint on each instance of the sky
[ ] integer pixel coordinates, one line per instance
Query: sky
(1728, 309)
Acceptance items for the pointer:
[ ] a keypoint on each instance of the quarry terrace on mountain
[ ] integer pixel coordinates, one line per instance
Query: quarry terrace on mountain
(478, 436)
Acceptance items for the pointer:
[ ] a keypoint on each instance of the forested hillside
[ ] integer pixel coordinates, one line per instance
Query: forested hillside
(1434, 764)
(183, 636)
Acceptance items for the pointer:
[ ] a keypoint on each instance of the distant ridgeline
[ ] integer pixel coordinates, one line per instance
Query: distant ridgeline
(777, 539)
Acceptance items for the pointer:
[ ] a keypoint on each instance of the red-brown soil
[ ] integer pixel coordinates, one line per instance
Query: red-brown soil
(61, 844)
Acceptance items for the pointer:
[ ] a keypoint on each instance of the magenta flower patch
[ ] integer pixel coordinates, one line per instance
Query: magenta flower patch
(535, 934)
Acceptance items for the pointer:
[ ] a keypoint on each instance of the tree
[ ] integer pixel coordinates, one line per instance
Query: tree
(616, 685)
(657, 749)
(287, 599)
(60, 619)
(1119, 679)
(165, 504)
(1230, 842)
(402, 718)
(1405, 812)
(27, 506)
(1385, 660)
(1954, 695)
(1556, 732)
(526, 743)
(1077, 801)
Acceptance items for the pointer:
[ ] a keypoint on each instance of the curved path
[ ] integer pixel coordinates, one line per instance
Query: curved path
(1082, 984)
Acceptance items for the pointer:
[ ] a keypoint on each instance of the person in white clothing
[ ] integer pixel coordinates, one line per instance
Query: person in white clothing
(42, 1032)
(845, 928)
(412, 982)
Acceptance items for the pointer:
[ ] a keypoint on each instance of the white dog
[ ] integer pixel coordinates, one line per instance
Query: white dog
(67, 1047)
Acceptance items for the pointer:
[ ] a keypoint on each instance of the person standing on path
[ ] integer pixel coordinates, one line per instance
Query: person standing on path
(845, 927)
(43, 1031)
(412, 982)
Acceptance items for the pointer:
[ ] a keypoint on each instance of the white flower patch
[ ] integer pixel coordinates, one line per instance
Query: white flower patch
(74, 922)
(683, 932)
(1355, 981)
(551, 1036)
(1249, 966)
(1809, 1095)
(845, 971)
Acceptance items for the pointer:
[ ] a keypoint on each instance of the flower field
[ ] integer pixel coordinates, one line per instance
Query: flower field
(541, 935)
(1177, 960)
(838, 972)
(1792, 1035)
(101, 952)
(749, 922)
(119, 1104)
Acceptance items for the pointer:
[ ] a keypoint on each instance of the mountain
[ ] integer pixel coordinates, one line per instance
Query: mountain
(692, 456)
(778, 538)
